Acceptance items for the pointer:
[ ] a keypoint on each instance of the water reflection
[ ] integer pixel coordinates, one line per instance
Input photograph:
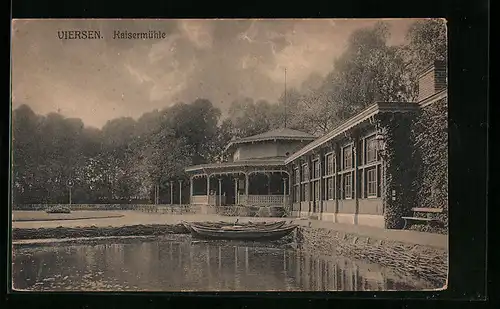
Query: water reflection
(183, 265)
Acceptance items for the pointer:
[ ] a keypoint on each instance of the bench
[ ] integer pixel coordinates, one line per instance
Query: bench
(427, 219)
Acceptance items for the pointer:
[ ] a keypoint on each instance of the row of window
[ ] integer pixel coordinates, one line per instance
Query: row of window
(369, 176)
(368, 155)
(370, 180)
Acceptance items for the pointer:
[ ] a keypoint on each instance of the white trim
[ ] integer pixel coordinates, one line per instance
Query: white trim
(234, 164)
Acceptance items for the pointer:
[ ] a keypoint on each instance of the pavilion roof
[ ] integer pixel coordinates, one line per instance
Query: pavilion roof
(276, 134)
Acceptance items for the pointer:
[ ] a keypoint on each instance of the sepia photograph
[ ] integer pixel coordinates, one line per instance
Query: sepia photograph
(207, 155)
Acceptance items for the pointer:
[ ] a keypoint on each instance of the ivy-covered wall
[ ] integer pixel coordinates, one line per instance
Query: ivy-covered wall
(415, 166)
(430, 137)
(399, 169)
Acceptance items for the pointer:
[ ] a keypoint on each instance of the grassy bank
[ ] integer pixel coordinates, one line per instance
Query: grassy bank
(94, 231)
(23, 216)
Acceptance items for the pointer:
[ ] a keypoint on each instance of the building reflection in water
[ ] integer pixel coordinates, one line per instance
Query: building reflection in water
(197, 266)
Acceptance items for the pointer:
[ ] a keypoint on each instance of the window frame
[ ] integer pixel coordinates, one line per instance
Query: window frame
(345, 186)
(330, 188)
(373, 183)
(316, 169)
(329, 164)
(345, 157)
(371, 140)
(305, 176)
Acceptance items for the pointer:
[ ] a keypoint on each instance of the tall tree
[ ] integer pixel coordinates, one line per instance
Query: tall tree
(427, 43)
(250, 118)
(368, 71)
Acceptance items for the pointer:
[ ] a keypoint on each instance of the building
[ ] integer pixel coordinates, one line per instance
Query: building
(359, 173)
(255, 175)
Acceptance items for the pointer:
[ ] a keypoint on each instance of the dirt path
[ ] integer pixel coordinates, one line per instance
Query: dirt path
(134, 218)
(75, 215)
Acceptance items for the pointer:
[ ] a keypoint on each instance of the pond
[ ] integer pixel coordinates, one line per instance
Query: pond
(182, 264)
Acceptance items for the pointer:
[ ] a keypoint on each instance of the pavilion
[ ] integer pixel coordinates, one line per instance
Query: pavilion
(255, 174)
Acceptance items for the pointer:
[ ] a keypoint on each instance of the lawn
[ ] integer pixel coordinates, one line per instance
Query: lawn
(74, 215)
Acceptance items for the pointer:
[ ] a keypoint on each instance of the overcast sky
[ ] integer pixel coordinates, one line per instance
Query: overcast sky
(220, 60)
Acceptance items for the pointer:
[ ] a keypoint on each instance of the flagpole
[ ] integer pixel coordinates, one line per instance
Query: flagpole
(285, 98)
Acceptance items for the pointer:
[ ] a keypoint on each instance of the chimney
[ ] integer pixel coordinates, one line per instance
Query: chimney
(432, 80)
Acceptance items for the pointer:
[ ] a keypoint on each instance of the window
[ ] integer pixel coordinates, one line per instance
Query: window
(316, 169)
(330, 169)
(305, 172)
(306, 192)
(316, 190)
(371, 149)
(371, 182)
(348, 186)
(297, 176)
(297, 194)
(330, 185)
(347, 153)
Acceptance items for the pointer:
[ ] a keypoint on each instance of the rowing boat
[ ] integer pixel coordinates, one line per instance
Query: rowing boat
(257, 234)
(245, 226)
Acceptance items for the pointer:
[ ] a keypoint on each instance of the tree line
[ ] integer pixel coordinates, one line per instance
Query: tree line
(123, 161)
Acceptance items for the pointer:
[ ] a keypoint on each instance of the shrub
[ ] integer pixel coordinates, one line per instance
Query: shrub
(58, 209)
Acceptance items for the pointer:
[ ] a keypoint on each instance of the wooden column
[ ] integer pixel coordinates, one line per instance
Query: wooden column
(220, 193)
(191, 188)
(362, 162)
(180, 192)
(321, 159)
(247, 184)
(300, 186)
(171, 192)
(309, 183)
(338, 178)
(284, 192)
(355, 182)
(208, 184)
